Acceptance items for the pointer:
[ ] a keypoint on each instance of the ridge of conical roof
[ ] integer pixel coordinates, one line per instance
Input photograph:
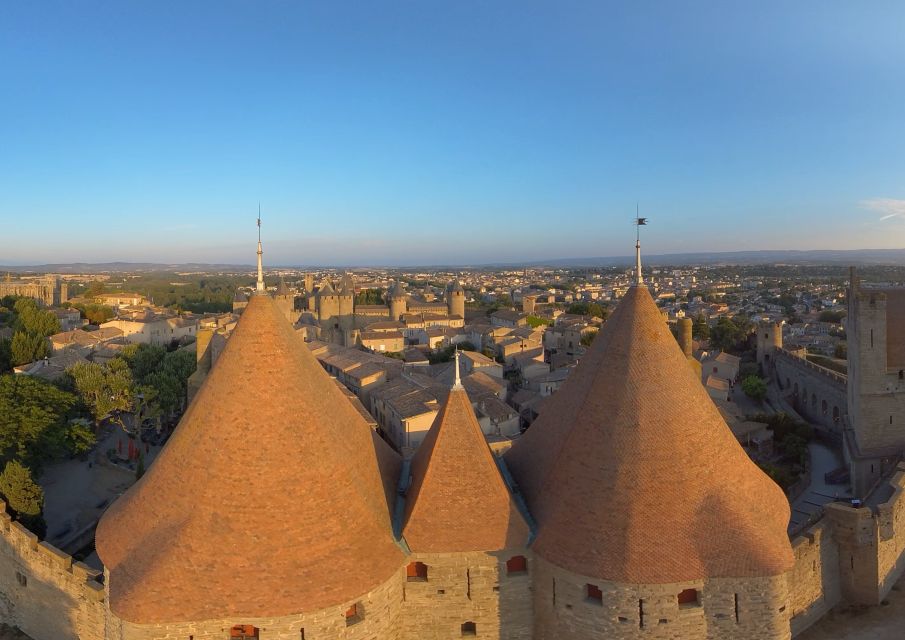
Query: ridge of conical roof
(347, 287)
(458, 500)
(271, 498)
(632, 475)
(326, 289)
(456, 286)
(282, 289)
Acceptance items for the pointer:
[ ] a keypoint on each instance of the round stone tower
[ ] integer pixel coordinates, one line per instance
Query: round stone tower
(456, 299)
(398, 302)
(769, 339)
(669, 530)
(178, 563)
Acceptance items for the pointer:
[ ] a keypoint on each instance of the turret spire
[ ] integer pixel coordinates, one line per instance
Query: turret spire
(457, 384)
(639, 222)
(260, 287)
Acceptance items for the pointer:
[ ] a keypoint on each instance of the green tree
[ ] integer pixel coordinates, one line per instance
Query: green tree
(700, 330)
(588, 338)
(23, 495)
(726, 335)
(755, 387)
(33, 320)
(105, 389)
(6, 356)
(34, 417)
(95, 288)
(26, 347)
(535, 321)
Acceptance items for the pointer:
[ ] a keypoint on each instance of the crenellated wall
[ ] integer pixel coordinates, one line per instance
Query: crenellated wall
(43, 592)
(814, 581)
(816, 392)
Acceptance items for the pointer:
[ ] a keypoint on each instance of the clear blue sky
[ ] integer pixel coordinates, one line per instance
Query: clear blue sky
(457, 132)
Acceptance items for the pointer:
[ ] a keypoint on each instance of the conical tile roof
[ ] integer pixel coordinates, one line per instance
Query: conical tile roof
(271, 498)
(458, 500)
(633, 476)
(326, 289)
(347, 287)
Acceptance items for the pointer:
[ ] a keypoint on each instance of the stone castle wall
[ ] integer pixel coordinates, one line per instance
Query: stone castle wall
(821, 396)
(465, 588)
(377, 618)
(43, 592)
(814, 581)
(728, 609)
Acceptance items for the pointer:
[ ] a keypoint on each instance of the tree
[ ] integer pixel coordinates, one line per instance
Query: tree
(27, 347)
(700, 330)
(105, 389)
(33, 419)
(834, 317)
(6, 356)
(841, 351)
(755, 388)
(23, 495)
(587, 309)
(35, 321)
(588, 338)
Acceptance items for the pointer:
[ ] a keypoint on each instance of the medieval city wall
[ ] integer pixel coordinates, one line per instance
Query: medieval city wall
(43, 591)
(377, 617)
(814, 581)
(727, 609)
(821, 395)
(462, 588)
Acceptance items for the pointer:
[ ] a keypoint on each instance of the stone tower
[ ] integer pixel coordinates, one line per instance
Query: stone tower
(769, 339)
(528, 303)
(651, 448)
(327, 302)
(467, 536)
(346, 303)
(456, 299)
(398, 302)
(285, 300)
(875, 326)
(179, 563)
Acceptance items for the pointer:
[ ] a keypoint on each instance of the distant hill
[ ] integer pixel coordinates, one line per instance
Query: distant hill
(894, 257)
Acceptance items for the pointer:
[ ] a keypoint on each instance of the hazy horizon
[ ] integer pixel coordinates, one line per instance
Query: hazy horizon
(411, 134)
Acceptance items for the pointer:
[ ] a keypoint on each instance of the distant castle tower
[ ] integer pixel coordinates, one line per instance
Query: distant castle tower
(397, 301)
(769, 340)
(285, 300)
(346, 304)
(529, 303)
(327, 302)
(456, 299)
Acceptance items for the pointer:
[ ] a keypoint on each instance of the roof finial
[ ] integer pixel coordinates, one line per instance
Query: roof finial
(457, 384)
(260, 287)
(639, 222)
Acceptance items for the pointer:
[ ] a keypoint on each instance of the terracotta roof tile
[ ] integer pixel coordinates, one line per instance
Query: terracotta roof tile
(458, 500)
(271, 498)
(633, 476)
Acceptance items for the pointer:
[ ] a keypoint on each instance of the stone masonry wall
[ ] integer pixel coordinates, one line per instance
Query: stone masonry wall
(819, 390)
(45, 593)
(814, 581)
(726, 609)
(468, 587)
(378, 619)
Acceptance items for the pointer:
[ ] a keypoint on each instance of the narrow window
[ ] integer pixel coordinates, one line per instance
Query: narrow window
(21, 579)
(416, 572)
(890, 419)
(736, 608)
(517, 564)
(871, 338)
(901, 374)
(469, 629)
(468, 584)
(640, 614)
(593, 594)
(689, 598)
(301, 634)
(354, 614)
(553, 589)
(853, 561)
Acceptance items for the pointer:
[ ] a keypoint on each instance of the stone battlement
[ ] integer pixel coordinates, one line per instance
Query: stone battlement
(43, 591)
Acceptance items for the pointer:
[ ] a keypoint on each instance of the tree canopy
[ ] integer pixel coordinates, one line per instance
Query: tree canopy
(23, 495)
